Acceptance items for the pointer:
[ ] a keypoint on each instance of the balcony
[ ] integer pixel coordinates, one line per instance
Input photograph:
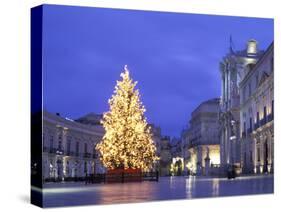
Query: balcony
(69, 153)
(269, 117)
(57, 151)
(256, 125)
(263, 121)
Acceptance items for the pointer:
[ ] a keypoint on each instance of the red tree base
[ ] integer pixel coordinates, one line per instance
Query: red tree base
(123, 175)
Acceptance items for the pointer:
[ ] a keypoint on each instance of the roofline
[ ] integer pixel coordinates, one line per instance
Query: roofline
(53, 118)
(213, 100)
(261, 59)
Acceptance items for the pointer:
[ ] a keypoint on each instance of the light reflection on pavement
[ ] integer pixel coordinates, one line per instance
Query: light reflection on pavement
(70, 194)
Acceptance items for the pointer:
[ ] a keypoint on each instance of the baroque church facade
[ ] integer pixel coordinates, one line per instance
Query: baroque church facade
(245, 110)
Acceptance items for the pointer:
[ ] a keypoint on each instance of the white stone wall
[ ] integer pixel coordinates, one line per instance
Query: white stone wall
(202, 136)
(64, 151)
(257, 98)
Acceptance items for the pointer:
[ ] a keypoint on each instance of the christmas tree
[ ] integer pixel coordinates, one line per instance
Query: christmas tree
(127, 142)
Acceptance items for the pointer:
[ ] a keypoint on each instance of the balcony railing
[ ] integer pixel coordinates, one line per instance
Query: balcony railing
(256, 125)
(70, 153)
(263, 121)
(57, 151)
(87, 155)
(269, 117)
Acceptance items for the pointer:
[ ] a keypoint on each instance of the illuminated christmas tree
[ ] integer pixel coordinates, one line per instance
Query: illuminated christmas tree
(127, 142)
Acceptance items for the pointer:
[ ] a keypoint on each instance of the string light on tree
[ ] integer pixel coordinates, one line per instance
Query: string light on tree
(127, 142)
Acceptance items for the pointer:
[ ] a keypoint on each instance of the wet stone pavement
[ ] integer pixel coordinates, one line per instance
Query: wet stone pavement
(168, 188)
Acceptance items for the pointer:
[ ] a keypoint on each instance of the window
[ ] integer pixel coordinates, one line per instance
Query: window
(251, 157)
(258, 117)
(85, 147)
(60, 142)
(67, 168)
(77, 148)
(264, 112)
(85, 167)
(244, 130)
(259, 155)
(51, 142)
(250, 124)
(68, 145)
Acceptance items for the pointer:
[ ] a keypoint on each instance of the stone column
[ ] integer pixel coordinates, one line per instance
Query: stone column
(225, 143)
(261, 153)
(268, 138)
(223, 86)
(229, 143)
(207, 162)
(272, 150)
(227, 85)
(254, 152)
(222, 146)
(199, 160)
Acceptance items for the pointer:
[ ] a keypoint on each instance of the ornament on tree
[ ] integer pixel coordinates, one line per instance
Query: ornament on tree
(127, 142)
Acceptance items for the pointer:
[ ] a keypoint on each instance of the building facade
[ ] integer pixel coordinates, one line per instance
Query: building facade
(177, 164)
(69, 147)
(232, 68)
(256, 115)
(185, 154)
(165, 156)
(201, 140)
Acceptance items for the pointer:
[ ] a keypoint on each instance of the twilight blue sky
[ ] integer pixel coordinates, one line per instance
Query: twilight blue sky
(174, 57)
